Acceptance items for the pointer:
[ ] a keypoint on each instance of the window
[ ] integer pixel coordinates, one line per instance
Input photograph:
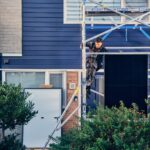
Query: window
(56, 80)
(73, 11)
(26, 79)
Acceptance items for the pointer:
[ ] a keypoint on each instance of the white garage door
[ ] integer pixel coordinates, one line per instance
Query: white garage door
(48, 104)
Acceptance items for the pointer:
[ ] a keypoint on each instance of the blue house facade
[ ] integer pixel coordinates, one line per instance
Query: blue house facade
(51, 56)
(51, 46)
(49, 43)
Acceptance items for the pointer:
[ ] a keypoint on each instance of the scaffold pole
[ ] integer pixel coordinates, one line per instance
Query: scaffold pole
(83, 61)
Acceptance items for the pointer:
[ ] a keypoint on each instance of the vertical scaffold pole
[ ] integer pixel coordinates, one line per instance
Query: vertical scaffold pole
(83, 61)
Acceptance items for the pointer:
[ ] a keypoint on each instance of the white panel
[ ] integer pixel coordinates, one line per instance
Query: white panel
(11, 27)
(48, 103)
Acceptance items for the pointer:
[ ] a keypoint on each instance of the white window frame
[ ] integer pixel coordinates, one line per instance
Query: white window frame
(17, 71)
(47, 78)
(149, 7)
(64, 84)
(65, 15)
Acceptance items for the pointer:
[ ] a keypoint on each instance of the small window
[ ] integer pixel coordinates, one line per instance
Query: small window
(56, 80)
(26, 79)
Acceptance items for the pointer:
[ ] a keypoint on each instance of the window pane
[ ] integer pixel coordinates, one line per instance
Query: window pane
(73, 11)
(26, 79)
(56, 80)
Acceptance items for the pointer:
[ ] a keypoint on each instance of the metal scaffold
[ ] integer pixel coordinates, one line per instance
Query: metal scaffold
(124, 13)
(83, 60)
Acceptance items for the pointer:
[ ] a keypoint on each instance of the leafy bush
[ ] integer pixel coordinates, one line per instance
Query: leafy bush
(109, 129)
(11, 143)
(15, 109)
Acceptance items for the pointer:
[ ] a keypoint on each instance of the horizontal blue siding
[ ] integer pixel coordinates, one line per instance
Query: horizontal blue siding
(50, 44)
(47, 42)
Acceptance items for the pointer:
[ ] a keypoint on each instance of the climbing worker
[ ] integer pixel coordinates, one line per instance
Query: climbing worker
(94, 62)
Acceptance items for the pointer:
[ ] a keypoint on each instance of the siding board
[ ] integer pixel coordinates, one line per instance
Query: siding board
(47, 42)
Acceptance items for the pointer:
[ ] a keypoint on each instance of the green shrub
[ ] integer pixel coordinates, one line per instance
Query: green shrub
(10, 142)
(15, 109)
(109, 129)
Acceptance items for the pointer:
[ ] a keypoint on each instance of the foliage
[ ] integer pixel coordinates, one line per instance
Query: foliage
(15, 109)
(109, 129)
(10, 142)
(147, 102)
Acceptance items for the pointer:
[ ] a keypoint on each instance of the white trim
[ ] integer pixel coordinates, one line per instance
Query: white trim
(118, 53)
(12, 54)
(41, 70)
(102, 70)
(79, 95)
(55, 72)
(123, 5)
(16, 71)
(3, 76)
(65, 12)
(132, 47)
(84, 99)
(149, 7)
(125, 48)
(46, 77)
(102, 23)
(65, 88)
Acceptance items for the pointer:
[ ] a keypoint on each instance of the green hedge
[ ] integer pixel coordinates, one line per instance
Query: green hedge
(109, 129)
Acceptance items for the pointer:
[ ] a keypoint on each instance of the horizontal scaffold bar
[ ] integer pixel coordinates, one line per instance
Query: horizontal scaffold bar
(110, 13)
(110, 26)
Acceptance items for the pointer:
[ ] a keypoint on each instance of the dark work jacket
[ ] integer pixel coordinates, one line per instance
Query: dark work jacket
(99, 58)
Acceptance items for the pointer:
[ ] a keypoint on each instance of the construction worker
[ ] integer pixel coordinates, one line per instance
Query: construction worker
(94, 62)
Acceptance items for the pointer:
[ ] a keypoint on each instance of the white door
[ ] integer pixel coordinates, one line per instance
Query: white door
(48, 104)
